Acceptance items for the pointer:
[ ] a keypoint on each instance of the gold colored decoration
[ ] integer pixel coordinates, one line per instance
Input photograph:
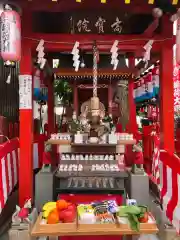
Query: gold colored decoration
(175, 2)
(86, 109)
(94, 103)
(150, 1)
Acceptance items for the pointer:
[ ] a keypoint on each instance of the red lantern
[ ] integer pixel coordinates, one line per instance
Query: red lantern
(10, 36)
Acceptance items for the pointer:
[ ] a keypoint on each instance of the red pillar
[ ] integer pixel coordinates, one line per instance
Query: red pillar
(167, 89)
(26, 131)
(132, 126)
(110, 98)
(51, 117)
(75, 100)
(167, 99)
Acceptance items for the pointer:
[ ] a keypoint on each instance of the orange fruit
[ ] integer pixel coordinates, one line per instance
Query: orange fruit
(53, 217)
(61, 205)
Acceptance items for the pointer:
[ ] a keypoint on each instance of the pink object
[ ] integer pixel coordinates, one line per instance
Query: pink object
(138, 158)
(10, 36)
(47, 158)
(24, 212)
(118, 128)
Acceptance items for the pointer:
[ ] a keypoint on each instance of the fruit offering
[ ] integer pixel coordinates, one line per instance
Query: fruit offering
(60, 211)
(98, 212)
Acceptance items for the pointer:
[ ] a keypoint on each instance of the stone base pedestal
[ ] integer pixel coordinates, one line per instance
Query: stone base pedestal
(168, 234)
(22, 231)
(138, 188)
(43, 188)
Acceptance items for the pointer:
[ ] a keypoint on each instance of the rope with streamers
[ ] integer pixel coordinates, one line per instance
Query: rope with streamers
(95, 70)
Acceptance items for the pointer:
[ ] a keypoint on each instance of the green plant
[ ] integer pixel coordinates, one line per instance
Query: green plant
(63, 90)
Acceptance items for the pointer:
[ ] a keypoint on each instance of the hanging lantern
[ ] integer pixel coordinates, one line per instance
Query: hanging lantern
(10, 36)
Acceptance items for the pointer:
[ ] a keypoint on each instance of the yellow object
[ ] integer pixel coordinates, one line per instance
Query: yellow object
(49, 205)
(79, 1)
(150, 1)
(103, 1)
(48, 211)
(127, 1)
(175, 2)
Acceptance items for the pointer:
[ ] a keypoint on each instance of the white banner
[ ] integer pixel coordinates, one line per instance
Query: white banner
(25, 92)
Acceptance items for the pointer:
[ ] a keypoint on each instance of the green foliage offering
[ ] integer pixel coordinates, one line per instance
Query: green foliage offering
(63, 90)
(133, 213)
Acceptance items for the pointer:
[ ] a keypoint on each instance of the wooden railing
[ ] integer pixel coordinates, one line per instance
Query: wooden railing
(9, 164)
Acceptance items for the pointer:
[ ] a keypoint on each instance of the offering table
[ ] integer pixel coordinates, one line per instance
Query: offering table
(76, 229)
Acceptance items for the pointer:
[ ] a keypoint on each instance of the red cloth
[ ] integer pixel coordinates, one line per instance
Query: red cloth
(118, 128)
(47, 158)
(138, 158)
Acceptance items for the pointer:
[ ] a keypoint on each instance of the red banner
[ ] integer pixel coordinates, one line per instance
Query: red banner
(176, 80)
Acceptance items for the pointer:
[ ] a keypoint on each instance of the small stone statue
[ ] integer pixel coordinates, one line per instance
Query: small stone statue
(138, 159)
(22, 215)
(47, 158)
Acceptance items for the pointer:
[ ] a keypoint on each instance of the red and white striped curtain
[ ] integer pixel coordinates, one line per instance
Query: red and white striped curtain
(156, 160)
(170, 187)
(9, 164)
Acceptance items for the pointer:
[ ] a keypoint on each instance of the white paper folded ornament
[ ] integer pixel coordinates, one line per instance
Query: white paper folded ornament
(76, 45)
(40, 45)
(42, 64)
(77, 66)
(39, 60)
(148, 44)
(115, 64)
(114, 55)
(41, 54)
(76, 57)
(114, 46)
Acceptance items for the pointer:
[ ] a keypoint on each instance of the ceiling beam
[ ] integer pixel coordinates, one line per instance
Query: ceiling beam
(65, 42)
(62, 5)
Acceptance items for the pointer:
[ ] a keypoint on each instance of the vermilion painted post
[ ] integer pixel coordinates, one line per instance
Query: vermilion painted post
(26, 134)
(132, 126)
(167, 99)
(167, 89)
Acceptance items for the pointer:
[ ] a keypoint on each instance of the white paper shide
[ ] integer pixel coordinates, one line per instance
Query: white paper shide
(25, 92)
